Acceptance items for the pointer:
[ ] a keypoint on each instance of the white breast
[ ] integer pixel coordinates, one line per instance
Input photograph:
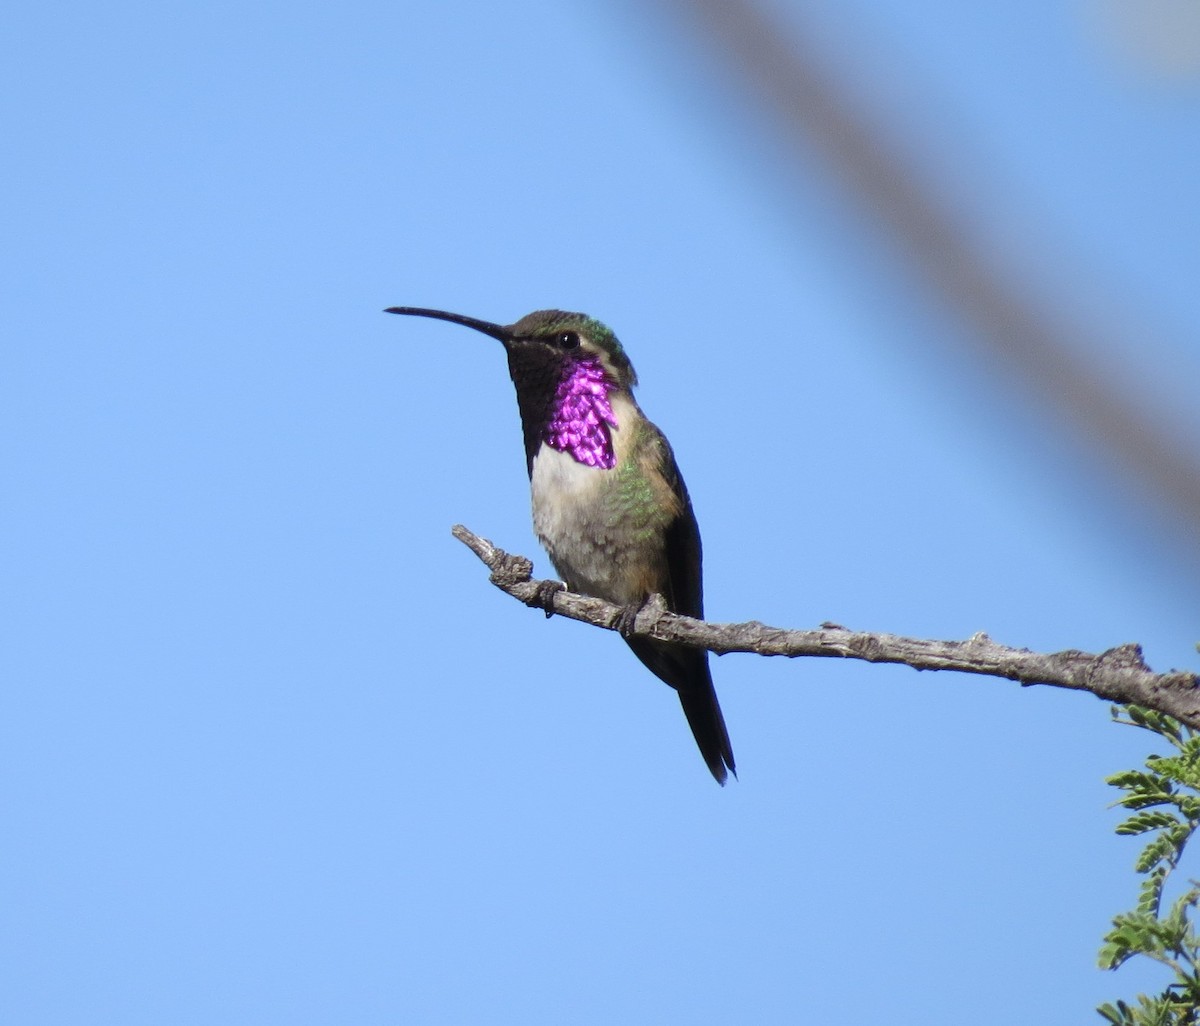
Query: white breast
(572, 517)
(564, 495)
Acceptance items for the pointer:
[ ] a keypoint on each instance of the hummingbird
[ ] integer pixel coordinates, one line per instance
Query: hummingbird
(609, 504)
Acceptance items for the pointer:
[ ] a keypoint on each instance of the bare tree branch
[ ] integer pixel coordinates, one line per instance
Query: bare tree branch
(1118, 675)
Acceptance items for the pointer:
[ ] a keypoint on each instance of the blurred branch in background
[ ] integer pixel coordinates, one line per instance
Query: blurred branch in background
(1042, 342)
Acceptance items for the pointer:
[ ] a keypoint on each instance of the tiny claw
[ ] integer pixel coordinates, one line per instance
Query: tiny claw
(541, 597)
(626, 619)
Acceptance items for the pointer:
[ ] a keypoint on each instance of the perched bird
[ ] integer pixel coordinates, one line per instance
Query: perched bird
(609, 504)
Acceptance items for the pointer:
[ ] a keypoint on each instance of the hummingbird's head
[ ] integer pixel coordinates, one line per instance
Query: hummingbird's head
(566, 368)
(545, 338)
(575, 338)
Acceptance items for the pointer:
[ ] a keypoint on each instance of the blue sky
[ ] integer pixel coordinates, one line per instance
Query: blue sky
(273, 750)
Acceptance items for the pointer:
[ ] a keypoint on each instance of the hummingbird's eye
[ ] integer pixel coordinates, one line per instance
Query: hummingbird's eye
(567, 339)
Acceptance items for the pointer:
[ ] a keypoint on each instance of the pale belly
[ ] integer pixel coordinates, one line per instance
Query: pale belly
(575, 519)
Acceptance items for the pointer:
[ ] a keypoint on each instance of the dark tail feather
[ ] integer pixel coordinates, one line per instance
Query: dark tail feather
(703, 714)
(686, 670)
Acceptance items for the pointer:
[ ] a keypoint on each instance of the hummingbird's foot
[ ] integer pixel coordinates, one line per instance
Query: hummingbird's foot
(541, 597)
(625, 623)
(627, 618)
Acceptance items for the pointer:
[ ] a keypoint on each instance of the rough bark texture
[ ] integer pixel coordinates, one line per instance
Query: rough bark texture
(1117, 675)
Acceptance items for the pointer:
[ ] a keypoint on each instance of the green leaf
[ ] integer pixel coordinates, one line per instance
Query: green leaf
(1168, 768)
(1133, 933)
(1136, 779)
(1150, 893)
(1138, 714)
(1161, 849)
(1150, 719)
(1145, 801)
(1144, 788)
(1189, 807)
(1116, 1014)
(1113, 956)
(1145, 821)
(1164, 802)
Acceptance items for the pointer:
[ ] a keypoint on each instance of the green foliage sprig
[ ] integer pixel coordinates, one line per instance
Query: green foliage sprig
(1165, 801)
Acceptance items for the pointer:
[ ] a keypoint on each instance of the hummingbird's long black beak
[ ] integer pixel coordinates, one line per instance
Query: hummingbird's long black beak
(487, 327)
